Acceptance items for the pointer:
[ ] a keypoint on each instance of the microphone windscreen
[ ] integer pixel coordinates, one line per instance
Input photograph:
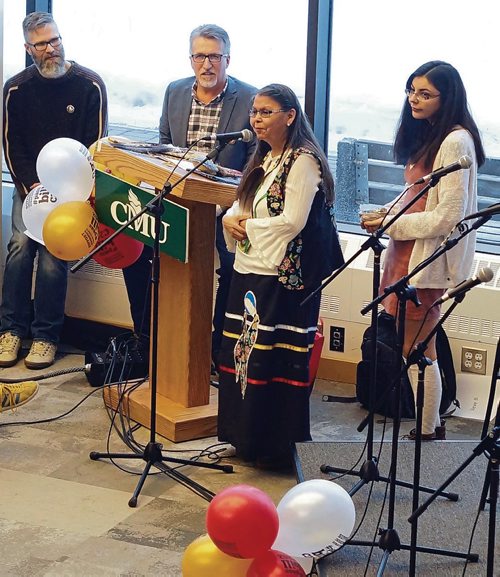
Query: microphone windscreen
(247, 135)
(485, 274)
(465, 161)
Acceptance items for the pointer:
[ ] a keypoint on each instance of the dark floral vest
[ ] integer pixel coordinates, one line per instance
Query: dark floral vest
(289, 270)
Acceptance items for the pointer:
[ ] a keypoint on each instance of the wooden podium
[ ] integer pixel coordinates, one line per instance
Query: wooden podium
(186, 407)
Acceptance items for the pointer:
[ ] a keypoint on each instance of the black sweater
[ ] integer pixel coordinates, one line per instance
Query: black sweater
(37, 110)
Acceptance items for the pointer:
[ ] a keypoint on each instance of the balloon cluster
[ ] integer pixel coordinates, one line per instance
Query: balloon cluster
(57, 213)
(248, 536)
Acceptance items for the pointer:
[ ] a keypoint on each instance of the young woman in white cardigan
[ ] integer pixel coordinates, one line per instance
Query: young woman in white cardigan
(435, 129)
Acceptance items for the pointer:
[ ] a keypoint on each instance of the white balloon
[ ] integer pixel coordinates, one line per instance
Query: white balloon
(316, 517)
(65, 167)
(306, 563)
(37, 205)
(29, 235)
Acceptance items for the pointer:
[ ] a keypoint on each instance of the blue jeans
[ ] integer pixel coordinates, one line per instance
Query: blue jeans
(50, 285)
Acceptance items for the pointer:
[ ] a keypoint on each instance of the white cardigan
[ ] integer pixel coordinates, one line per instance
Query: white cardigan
(269, 235)
(448, 202)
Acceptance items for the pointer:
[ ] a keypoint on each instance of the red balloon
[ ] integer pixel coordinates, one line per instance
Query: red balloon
(121, 252)
(242, 521)
(275, 564)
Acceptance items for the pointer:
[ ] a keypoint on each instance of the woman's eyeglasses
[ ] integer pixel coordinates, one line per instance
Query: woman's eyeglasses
(263, 113)
(420, 95)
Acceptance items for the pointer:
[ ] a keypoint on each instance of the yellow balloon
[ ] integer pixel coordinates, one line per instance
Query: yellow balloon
(202, 558)
(71, 230)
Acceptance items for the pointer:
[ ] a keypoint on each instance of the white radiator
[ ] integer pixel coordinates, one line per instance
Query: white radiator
(475, 321)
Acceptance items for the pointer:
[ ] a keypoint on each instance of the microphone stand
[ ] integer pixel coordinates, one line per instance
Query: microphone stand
(369, 470)
(152, 453)
(489, 445)
(487, 416)
(417, 356)
(492, 471)
(389, 540)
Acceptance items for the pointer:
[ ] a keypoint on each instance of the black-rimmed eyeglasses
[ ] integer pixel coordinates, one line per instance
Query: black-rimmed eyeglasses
(42, 46)
(200, 58)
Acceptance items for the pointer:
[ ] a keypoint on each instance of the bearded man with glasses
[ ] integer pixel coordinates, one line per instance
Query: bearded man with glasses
(207, 103)
(50, 99)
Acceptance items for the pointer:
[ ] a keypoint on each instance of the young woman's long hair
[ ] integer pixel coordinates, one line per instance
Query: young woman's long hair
(419, 139)
(300, 134)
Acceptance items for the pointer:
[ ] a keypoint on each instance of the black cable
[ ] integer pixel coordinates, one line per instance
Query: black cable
(471, 540)
(52, 419)
(125, 433)
(379, 520)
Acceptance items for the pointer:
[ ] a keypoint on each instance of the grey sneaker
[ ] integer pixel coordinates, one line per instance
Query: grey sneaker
(41, 355)
(10, 345)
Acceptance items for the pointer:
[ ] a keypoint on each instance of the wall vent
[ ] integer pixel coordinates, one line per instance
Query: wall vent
(330, 304)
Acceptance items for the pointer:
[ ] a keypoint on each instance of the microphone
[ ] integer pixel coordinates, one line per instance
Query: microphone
(484, 275)
(462, 162)
(489, 210)
(245, 135)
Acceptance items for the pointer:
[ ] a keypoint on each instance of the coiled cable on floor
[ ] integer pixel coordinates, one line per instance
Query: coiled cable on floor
(84, 369)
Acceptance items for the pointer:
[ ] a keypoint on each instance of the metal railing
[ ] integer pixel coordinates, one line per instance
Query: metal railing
(366, 174)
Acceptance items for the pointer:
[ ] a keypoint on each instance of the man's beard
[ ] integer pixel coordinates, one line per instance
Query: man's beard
(207, 82)
(51, 67)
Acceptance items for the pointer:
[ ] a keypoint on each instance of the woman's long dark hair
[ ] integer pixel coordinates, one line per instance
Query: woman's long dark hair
(419, 139)
(300, 134)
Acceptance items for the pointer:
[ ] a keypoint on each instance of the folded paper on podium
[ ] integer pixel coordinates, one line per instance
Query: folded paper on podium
(186, 406)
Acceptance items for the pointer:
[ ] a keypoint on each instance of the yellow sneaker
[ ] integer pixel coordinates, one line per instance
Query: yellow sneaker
(10, 345)
(41, 355)
(16, 394)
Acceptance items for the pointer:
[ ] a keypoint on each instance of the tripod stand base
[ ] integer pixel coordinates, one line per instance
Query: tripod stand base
(153, 457)
(369, 472)
(445, 525)
(173, 421)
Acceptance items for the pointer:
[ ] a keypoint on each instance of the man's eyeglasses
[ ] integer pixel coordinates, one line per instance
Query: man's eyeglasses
(264, 113)
(42, 46)
(420, 95)
(200, 58)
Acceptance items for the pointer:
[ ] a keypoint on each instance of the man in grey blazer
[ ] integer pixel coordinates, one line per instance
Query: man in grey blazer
(208, 103)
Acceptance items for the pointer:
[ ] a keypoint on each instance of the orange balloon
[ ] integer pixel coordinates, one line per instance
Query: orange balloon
(71, 230)
(203, 559)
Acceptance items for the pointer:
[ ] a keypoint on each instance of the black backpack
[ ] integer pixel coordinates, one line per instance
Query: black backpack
(388, 370)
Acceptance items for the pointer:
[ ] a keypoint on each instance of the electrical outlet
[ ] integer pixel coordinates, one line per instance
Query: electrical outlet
(337, 337)
(473, 361)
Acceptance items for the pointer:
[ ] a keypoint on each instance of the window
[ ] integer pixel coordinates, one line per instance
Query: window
(13, 51)
(138, 48)
(14, 54)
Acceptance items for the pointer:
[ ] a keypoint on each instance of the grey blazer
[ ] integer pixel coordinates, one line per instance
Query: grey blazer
(234, 117)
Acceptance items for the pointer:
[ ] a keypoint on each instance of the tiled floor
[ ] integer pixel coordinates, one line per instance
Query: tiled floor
(63, 514)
